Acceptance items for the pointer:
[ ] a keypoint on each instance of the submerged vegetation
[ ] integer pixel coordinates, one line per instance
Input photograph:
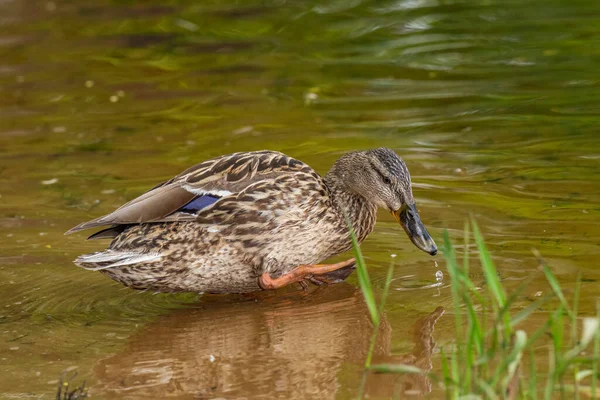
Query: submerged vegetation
(494, 356)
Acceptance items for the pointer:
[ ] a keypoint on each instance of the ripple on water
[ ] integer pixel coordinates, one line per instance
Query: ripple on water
(78, 300)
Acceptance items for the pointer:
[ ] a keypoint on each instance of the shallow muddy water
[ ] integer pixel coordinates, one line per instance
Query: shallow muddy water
(494, 105)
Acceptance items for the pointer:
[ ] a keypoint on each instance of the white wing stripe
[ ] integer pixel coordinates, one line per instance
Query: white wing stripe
(200, 192)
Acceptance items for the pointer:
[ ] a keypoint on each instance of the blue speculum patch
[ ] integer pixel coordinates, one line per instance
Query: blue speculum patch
(199, 203)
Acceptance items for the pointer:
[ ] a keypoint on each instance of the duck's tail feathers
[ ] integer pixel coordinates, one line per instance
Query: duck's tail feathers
(112, 258)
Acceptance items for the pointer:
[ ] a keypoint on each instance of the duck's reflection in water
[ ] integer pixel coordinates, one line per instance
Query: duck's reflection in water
(292, 345)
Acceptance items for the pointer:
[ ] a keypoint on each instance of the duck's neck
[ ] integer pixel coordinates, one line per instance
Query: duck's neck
(361, 212)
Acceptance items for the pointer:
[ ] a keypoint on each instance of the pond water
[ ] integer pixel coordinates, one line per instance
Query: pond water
(494, 105)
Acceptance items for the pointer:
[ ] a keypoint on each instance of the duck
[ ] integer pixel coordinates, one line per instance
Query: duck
(253, 221)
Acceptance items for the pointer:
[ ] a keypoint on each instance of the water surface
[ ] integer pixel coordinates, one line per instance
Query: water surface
(493, 105)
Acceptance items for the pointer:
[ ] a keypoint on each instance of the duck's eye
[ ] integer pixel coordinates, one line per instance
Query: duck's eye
(387, 180)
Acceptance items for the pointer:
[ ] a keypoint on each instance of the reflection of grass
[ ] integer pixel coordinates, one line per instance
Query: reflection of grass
(487, 359)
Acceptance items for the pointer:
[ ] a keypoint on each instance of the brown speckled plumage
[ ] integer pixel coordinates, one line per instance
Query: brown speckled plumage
(271, 214)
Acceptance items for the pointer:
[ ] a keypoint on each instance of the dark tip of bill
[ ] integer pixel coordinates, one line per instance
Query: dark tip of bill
(433, 251)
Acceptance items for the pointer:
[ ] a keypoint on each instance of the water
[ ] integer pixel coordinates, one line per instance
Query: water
(493, 105)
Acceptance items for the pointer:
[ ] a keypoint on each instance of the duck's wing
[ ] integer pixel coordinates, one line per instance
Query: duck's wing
(257, 215)
(180, 198)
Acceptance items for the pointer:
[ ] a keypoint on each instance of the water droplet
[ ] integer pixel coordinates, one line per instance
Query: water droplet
(439, 276)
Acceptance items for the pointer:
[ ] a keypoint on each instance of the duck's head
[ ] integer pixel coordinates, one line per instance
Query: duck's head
(382, 178)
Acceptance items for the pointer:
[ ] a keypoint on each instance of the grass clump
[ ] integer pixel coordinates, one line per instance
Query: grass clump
(491, 357)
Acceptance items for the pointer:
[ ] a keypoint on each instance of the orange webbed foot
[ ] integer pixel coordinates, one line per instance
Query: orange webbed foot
(311, 272)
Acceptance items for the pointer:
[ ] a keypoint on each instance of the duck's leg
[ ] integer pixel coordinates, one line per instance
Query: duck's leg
(300, 273)
(334, 277)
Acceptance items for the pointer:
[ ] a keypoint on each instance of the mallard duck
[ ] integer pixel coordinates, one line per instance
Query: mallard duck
(253, 221)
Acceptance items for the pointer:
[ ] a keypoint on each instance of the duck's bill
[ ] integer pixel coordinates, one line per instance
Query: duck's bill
(409, 218)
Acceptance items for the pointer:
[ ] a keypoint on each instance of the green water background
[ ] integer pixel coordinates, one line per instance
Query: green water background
(494, 105)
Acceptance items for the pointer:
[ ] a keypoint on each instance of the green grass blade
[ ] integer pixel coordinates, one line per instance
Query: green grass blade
(455, 372)
(551, 377)
(448, 381)
(386, 287)
(551, 278)
(493, 281)
(489, 269)
(513, 360)
(386, 291)
(453, 270)
(532, 375)
(474, 343)
(558, 329)
(557, 290)
(527, 311)
(487, 389)
(363, 278)
(475, 328)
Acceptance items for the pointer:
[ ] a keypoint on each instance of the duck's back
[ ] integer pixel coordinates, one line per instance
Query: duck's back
(217, 225)
(180, 198)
